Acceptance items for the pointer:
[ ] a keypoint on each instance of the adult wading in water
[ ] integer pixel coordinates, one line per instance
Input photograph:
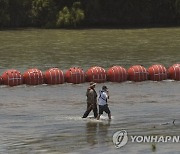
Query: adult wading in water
(91, 100)
(102, 101)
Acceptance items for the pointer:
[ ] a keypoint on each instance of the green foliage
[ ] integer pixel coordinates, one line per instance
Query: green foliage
(70, 17)
(43, 13)
(72, 14)
(153, 146)
(64, 18)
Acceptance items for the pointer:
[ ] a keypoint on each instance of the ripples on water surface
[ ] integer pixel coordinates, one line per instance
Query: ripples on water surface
(65, 48)
(47, 119)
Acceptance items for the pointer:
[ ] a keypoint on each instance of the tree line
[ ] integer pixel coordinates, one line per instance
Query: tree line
(88, 13)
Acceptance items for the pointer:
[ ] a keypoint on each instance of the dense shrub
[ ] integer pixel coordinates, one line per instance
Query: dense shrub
(73, 13)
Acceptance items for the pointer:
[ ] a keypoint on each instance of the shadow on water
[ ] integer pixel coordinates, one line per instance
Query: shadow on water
(96, 132)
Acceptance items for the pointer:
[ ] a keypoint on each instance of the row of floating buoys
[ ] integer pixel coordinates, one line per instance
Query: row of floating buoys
(12, 78)
(137, 73)
(75, 75)
(174, 72)
(117, 74)
(33, 77)
(157, 73)
(54, 76)
(96, 74)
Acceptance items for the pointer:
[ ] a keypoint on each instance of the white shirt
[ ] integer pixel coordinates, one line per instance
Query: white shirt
(102, 98)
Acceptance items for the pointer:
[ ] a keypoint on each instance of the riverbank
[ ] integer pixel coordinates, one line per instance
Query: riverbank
(99, 26)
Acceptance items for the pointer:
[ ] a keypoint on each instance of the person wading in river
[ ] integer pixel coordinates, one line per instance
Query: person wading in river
(102, 102)
(91, 100)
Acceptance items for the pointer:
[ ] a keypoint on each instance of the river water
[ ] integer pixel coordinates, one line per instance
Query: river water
(47, 119)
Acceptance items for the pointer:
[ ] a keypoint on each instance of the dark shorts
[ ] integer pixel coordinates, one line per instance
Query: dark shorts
(104, 108)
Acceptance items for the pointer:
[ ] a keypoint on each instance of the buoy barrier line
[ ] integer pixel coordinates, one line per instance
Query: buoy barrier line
(157, 73)
(97, 74)
(12, 78)
(178, 69)
(81, 75)
(54, 76)
(116, 74)
(124, 74)
(41, 74)
(105, 75)
(144, 73)
(60, 75)
(137, 73)
(29, 78)
(78, 76)
(174, 68)
(174, 72)
(33, 77)
(92, 74)
(163, 72)
(100, 76)
(51, 77)
(75, 75)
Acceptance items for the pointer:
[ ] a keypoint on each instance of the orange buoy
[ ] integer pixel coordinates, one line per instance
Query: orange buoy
(0, 79)
(12, 78)
(54, 76)
(117, 74)
(137, 73)
(96, 74)
(33, 77)
(75, 75)
(157, 72)
(174, 72)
